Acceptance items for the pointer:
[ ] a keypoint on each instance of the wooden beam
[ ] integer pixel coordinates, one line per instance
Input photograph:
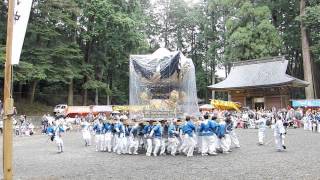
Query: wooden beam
(8, 102)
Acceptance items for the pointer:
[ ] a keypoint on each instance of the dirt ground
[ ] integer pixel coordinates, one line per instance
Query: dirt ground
(36, 158)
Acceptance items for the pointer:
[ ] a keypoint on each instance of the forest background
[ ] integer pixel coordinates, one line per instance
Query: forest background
(77, 51)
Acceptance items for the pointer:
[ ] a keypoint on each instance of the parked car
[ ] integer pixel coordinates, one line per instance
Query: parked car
(60, 109)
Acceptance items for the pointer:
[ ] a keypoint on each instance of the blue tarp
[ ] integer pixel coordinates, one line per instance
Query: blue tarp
(306, 103)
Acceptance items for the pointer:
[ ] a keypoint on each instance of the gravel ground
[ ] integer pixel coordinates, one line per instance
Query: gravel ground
(36, 158)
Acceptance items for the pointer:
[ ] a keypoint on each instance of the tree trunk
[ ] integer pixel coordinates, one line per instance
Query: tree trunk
(316, 80)
(19, 97)
(85, 97)
(33, 91)
(226, 69)
(207, 81)
(96, 99)
(274, 14)
(213, 75)
(108, 100)
(87, 60)
(110, 84)
(306, 55)
(87, 54)
(99, 76)
(166, 41)
(213, 93)
(166, 21)
(108, 97)
(70, 93)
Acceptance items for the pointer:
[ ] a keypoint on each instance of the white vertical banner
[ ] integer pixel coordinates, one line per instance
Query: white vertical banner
(21, 15)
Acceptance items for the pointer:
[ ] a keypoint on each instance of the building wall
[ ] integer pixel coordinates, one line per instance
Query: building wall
(273, 97)
(273, 101)
(239, 99)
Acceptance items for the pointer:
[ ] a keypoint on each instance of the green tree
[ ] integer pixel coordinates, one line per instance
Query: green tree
(110, 32)
(310, 22)
(50, 45)
(251, 34)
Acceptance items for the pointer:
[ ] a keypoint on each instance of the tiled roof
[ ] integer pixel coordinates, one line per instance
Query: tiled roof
(259, 73)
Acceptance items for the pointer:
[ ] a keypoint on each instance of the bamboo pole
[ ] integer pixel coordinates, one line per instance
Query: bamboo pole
(8, 101)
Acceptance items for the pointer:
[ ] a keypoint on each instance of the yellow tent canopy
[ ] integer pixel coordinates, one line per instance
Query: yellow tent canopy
(225, 105)
(128, 108)
(120, 108)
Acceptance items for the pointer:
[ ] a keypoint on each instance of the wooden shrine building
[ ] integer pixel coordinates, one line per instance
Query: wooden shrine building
(260, 83)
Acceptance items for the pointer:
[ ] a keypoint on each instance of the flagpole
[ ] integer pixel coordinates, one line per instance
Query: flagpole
(8, 101)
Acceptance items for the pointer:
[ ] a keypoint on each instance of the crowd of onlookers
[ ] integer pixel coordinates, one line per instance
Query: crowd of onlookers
(296, 118)
(21, 126)
(309, 119)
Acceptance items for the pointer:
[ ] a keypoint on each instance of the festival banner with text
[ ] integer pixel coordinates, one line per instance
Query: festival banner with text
(21, 16)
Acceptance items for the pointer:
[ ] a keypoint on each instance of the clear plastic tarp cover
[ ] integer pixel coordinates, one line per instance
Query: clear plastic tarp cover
(162, 85)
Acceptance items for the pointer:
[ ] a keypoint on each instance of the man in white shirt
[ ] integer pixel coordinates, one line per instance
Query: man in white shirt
(279, 134)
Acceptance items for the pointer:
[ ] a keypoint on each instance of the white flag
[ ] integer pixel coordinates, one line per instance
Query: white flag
(21, 16)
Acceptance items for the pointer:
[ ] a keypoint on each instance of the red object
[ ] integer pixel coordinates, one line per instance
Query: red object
(72, 111)
(240, 124)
